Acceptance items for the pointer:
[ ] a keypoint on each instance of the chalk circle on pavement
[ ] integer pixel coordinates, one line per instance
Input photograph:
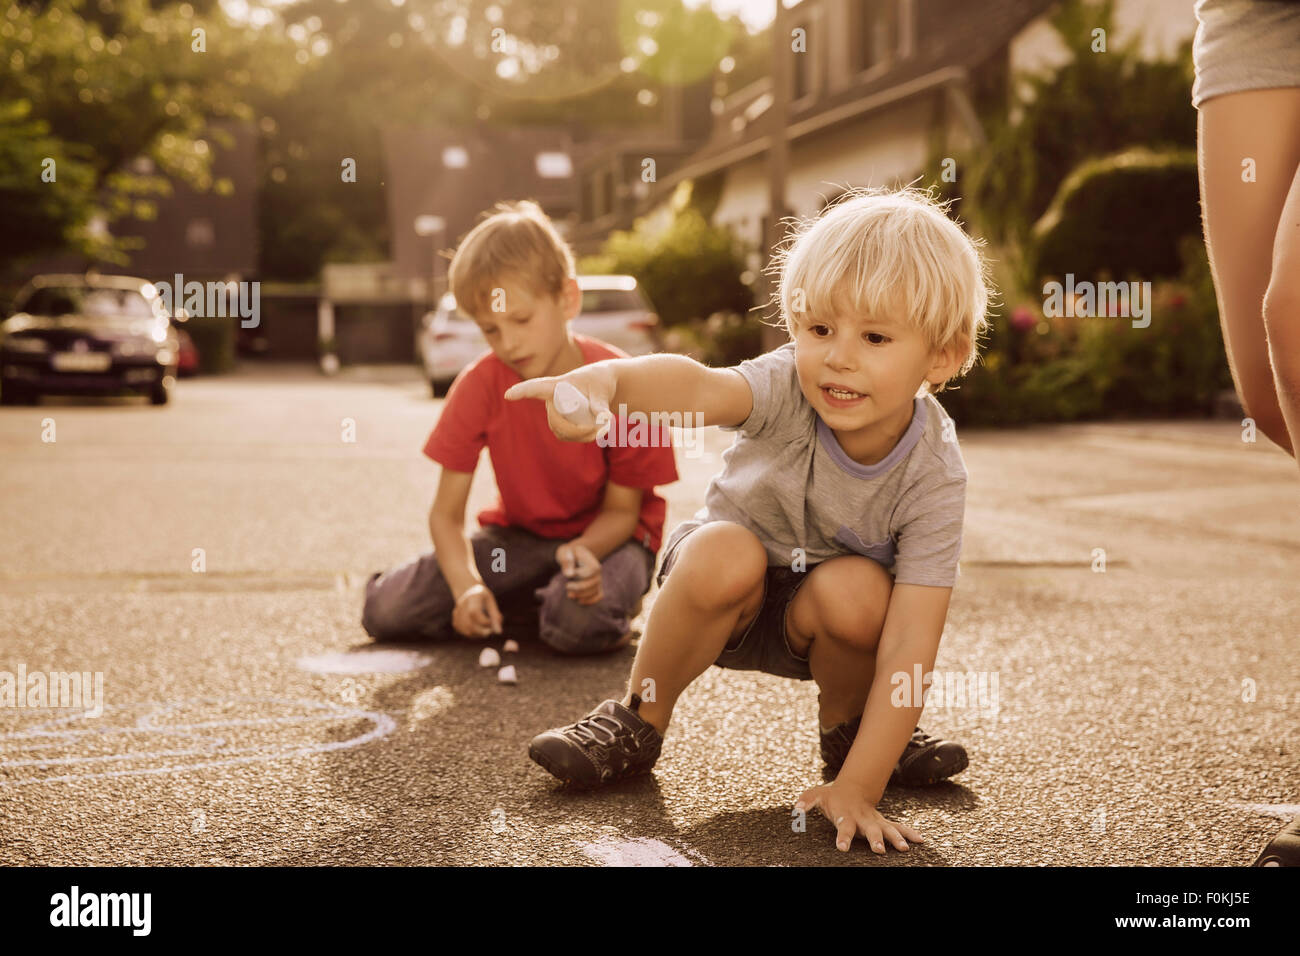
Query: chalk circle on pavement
(173, 737)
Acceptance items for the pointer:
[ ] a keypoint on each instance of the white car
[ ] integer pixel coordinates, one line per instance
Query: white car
(613, 310)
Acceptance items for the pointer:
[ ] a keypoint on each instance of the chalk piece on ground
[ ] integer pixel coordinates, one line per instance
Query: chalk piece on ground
(510, 647)
(489, 657)
(507, 675)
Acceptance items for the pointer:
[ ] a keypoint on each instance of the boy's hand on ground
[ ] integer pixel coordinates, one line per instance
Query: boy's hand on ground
(596, 382)
(582, 568)
(854, 815)
(476, 614)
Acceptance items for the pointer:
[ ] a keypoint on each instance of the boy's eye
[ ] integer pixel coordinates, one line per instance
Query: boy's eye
(877, 338)
(491, 331)
(820, 330)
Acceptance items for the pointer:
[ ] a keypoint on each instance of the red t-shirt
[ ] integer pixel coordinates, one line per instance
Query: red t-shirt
(550, 487)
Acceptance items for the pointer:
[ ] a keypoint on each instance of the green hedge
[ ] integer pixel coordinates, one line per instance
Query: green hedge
(690, 271)
(214, 337)
(1120, 215)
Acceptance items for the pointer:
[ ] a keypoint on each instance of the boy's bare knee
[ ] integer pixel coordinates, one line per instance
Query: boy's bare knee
(722, 564)
(848, 598)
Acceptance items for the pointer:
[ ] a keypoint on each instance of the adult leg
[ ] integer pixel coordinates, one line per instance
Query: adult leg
(412, 602)
(573, 628)
(713, 593)
(1282, 312)
(1241, 221)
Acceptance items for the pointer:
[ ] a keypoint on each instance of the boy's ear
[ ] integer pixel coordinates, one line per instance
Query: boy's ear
(948, 360)
(571, 297)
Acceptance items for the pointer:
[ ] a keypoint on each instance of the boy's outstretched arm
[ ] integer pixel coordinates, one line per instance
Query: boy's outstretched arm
(665, 383)
(913, 627)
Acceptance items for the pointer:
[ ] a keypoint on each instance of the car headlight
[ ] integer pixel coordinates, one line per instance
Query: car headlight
(29, 344)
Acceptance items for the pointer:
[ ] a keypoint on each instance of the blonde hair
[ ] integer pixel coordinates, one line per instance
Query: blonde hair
(887, 252)
(517, 241)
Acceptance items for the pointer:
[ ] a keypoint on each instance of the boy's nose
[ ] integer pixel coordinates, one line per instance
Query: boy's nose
(841, 355)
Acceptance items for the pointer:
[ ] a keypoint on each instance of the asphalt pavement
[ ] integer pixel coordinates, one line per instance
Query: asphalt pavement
(207, 559)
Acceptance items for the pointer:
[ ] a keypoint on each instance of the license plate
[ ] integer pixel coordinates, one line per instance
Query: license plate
(82, 361)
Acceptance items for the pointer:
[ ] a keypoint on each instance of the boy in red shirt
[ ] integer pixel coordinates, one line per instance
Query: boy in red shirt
(577, 526)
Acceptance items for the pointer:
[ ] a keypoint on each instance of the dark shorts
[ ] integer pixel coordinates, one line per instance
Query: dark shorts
(764, 646)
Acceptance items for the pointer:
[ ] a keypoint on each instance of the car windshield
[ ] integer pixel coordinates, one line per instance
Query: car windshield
(87, 301)
(611, 300)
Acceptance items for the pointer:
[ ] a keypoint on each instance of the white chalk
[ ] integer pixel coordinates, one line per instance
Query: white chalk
(507, 675)
(510, 647)
(489, 657)
(572, 404)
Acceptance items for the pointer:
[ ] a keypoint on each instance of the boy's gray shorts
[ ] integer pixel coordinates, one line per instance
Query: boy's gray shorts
(764, 646)
(1245, 45)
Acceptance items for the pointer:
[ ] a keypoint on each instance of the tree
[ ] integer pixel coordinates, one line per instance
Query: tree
(105, 86)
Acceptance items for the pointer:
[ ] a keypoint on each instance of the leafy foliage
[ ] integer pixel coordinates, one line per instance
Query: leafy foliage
(119, 92)
(1119, 215)
(1093, 105)
(689, 271)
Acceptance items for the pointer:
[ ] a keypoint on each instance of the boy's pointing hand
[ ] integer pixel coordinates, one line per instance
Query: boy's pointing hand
(577, 404)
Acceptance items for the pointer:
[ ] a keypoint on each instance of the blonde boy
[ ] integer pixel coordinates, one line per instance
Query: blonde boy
(828, 545)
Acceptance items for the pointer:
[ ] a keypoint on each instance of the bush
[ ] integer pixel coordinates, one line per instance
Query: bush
(1095, 104)
(689, 271)
(1036, 369)
(1119, 215)
(214, 337)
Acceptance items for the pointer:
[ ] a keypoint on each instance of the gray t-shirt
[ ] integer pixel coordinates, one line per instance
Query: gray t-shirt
(787, 479)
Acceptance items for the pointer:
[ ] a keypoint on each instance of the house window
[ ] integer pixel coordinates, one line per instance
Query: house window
(874, 34)
(554, 165)
(455, 157)
(199, 233)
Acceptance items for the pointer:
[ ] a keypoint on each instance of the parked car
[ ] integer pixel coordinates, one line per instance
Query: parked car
(613, 310)
(87, 333)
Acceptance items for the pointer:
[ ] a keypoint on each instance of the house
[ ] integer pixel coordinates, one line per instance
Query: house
(441, 180)
(878, 84)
